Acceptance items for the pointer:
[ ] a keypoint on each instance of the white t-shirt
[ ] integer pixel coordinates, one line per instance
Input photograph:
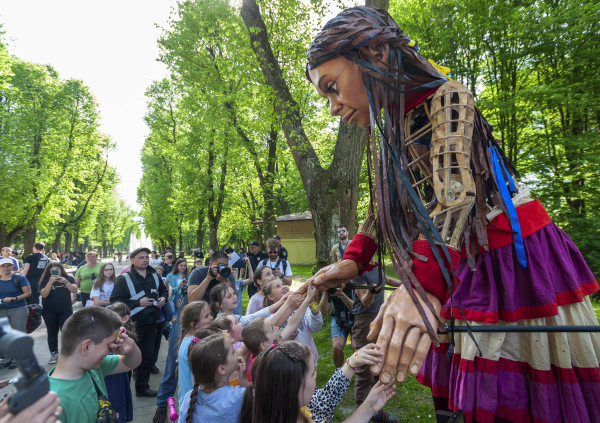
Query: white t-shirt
(273, 265)
(155, 262)
(107, 288)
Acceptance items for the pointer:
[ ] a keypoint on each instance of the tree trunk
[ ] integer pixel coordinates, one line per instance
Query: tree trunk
(29, 240)
(200, 230)
(56, 243)
(68, 240)
(213, 240)
(76, 241)
(333, 192)
(104, 251)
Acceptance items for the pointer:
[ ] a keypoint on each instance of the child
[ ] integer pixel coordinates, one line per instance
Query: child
(274, 290)
(284, 387)
(262, 275)
(118, 386)
(224, 300)
(194, 316)
(212, 400)
(103, 285)
(88, 336)
(168, 310)
(231, 324)
(260, 334)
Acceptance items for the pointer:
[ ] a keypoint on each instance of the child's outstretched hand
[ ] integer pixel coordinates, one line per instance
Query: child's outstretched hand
(122, 345)
(367, 355)
(380, 394)
(294, 301)
(310, 293)
(242, 377)
(282, 300)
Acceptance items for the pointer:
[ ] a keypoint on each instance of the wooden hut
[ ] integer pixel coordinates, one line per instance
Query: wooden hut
(297, 236)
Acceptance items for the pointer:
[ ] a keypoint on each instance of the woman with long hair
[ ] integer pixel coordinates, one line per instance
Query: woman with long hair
(178, 277)
(56, 287)
(103, 285)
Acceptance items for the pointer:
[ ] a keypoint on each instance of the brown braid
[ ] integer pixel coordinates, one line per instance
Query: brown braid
(192, 407)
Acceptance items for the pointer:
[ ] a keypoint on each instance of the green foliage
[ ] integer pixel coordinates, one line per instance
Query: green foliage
(55, 160)
(533, 69)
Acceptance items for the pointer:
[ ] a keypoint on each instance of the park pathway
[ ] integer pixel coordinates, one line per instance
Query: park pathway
(143, 408)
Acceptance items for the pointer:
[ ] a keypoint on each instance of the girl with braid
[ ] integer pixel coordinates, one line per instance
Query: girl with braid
(212, 361)
(283, 390)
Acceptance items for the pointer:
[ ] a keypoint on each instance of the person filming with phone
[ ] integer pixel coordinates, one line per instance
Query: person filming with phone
(56, 288)
(14, 289)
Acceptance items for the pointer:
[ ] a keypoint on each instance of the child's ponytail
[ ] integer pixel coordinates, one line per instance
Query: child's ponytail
(192, 406)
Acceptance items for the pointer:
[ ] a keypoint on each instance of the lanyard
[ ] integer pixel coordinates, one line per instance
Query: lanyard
(342, 249)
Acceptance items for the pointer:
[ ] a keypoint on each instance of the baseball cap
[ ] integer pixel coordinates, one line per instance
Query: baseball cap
(276, 237)
(6, 261)
(139, 250)
(254, 244)
(168, 248)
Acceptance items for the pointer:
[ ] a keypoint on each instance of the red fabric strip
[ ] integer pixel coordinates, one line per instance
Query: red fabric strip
(361, 250)
(516, 415)
(532, 217)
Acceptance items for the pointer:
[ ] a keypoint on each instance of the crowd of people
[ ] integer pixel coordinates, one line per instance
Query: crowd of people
(261, 365)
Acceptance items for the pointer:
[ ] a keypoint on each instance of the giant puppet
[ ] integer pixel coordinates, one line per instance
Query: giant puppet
(469, 243)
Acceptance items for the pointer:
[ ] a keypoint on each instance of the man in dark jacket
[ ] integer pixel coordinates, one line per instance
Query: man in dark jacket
(255, 256)
(144, 293)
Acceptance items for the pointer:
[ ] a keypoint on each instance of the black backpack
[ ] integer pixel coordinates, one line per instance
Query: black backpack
(285, 263)
(35, 310)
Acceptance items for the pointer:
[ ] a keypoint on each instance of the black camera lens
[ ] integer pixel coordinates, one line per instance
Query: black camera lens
(224, 270)
(332, 291)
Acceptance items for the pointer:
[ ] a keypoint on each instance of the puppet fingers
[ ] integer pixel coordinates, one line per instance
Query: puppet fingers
(408, 349)
(420, 354)
(383, 340)
(393, 353)
(375, 327)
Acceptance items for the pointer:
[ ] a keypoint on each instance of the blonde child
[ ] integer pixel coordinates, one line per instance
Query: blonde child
(262, 275)
(194, 316)
(312, 320)
(224, 300)
(260, 334)
(118, 386)
(212, 362)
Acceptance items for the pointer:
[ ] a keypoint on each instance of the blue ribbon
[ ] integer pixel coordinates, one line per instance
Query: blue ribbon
(498, 166)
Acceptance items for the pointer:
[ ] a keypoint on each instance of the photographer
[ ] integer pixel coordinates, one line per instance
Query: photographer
(143, 291)
(13, 304)
(341, 320)
(202, 280)
(56, 289)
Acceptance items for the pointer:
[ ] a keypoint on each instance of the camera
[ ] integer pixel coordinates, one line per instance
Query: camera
(33, 384)
(332, 291)
(54, 272)
(222, 269)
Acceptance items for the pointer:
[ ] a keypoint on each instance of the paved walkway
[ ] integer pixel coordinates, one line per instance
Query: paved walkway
(143, 408)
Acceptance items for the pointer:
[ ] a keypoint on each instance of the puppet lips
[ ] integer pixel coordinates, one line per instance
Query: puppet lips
(348, 116)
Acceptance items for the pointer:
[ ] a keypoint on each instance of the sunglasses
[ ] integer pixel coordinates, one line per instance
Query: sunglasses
(273, 252)
(342, 231)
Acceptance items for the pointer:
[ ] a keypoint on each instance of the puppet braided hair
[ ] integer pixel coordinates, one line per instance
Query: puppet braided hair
(277, 374)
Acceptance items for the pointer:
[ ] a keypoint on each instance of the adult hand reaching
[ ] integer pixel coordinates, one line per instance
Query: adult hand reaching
(402, 335)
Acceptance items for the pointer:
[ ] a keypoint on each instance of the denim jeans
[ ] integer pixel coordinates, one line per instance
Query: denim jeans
(17, 317)
(168, 384)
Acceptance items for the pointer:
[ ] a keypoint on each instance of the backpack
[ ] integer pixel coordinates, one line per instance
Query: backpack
(35, 310)
(264, 263)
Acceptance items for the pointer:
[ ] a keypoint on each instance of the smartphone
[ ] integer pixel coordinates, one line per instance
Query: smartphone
(54, 272)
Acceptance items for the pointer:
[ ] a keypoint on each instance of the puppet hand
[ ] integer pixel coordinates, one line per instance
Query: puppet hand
(402, 335)
(331, 276)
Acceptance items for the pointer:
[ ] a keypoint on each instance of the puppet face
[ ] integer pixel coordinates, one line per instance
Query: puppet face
(340, 81)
